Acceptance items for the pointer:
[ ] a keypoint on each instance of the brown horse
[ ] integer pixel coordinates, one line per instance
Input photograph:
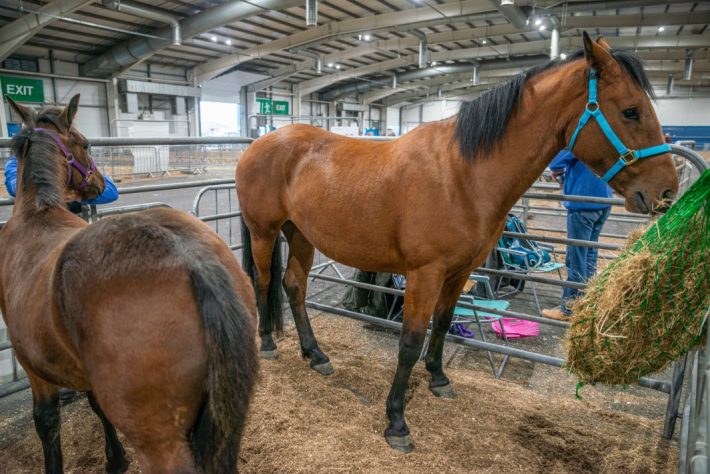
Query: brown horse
(432, 203)
(149, 313)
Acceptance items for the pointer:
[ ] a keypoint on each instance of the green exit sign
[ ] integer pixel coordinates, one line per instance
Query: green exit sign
(281, 107)
(265, 106)
(22, 89)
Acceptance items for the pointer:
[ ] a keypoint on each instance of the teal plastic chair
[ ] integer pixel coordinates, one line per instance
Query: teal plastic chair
(481, 315)
(510, 264)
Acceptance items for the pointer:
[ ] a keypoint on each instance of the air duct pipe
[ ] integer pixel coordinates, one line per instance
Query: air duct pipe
(555, 44)
(476, 79)
(688, 71)
(669, 85)
(136, 9)
(512, 13)
(311, 12)
(316, 57)
(423, 52)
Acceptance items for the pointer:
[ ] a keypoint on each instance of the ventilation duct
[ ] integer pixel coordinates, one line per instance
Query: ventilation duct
(555, 44)
(423, 52)
(512, 13)
(311, 12)
(476, 79)
(136, 9)
(688, 71)
(669, 85)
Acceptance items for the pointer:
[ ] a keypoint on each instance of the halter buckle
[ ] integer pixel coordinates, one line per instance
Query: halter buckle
(628, 158)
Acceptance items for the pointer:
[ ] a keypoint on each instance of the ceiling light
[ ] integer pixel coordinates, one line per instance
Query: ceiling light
(337, 66)
(433, 63)
(330, 64)
(661, 28)
(484, 41)
(542, 28)
(228, 42)
(367, 37)
(538, 21)
(214, 39)
(563, 56)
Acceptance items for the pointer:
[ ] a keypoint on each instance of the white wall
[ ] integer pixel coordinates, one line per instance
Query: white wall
(676, 111)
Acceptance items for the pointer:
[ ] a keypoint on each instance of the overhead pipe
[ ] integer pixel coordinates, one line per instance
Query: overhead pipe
(311, 12)
(555, 44)
(314, 56)
(423, 52)
(136, 9)
(476, 79)
(512, 13)
(359, 87)
(669, 85)
(132, 51)
(688, 71)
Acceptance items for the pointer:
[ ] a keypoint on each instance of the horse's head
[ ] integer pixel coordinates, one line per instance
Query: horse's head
(619, 136)
(52, 129)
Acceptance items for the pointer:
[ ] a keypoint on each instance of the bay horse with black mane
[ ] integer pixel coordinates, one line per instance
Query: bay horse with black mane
(432, 203)
(149, 313)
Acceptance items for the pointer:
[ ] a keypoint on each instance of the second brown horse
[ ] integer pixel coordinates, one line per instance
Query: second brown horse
(432, 203)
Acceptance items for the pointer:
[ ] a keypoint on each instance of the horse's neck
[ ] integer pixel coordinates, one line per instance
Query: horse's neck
(535, 134)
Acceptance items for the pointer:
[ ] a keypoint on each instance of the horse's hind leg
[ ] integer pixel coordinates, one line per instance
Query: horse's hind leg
(116, 461)
(300, 260)
(45, 411)
(262, 250)
(450, 292)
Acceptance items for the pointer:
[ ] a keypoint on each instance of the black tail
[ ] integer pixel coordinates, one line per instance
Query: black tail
(274, 298)
(232, 365)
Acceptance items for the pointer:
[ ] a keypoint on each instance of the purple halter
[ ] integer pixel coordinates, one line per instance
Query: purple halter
(71, 160)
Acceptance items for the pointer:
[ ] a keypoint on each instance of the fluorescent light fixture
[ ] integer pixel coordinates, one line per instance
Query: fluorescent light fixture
(330, 64)
(538, 21)
(542, 28)
(661, 28)
(337, 66)
(484, 41)
(563, 56)
(214, 39)
(228, 42)
(433, 63)
(367, 37)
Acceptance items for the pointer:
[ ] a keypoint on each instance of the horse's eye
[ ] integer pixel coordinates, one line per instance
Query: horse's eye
(632, 114)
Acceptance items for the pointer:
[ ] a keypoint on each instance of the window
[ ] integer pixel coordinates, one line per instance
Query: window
(21, 64)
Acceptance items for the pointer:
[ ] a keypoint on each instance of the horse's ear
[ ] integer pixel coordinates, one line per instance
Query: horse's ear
(69, 112)
(25, 113)
(597, 56)
(601, 41)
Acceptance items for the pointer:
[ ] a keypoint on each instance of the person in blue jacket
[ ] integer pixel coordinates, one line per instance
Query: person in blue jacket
(584, 221)
(110, 193)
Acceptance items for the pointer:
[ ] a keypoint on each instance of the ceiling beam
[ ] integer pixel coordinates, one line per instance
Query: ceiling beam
(18, 32)
(414, 18)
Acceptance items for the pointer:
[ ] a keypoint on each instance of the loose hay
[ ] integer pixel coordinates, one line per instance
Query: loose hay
(649, 306)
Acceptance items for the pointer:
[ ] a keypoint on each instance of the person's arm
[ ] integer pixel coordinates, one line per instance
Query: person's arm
(110, 193)
(11, 176)
(562, 161)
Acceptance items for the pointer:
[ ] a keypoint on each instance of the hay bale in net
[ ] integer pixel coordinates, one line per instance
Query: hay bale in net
(648, 307)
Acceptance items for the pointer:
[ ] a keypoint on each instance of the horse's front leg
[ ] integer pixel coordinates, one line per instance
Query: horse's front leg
(423, 287)
(450, 292)
(116, 461)
(45, 411)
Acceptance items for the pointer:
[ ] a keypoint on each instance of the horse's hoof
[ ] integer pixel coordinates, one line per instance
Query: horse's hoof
(326, 368)
(269, 354)
(401, 443)
(444, 391)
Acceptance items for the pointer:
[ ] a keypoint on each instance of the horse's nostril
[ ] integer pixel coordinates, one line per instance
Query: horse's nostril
(668, 195)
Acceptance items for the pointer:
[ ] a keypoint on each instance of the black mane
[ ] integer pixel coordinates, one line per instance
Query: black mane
(41, 170)
(481, 123)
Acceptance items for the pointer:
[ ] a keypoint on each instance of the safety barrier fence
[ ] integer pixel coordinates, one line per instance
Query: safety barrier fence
(216, 204)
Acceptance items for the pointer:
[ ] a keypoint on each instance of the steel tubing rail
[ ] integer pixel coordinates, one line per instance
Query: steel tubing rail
(654, 384)
(127, 142)
(14, 387)
(560, 240)
(166, 187)
(393, 291)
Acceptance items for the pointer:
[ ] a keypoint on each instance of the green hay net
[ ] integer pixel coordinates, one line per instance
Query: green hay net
(648, 307)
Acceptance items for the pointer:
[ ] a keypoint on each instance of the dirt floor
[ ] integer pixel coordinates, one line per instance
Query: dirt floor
(302, 422)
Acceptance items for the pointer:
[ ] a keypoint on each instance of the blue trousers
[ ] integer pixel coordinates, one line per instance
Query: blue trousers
(581, 262)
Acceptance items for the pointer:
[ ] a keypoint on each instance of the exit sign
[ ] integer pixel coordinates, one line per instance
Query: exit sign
(281, 107)
(22, 89)
(265, 106)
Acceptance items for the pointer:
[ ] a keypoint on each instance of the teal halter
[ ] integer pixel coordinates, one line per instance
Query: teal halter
(626, 156)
